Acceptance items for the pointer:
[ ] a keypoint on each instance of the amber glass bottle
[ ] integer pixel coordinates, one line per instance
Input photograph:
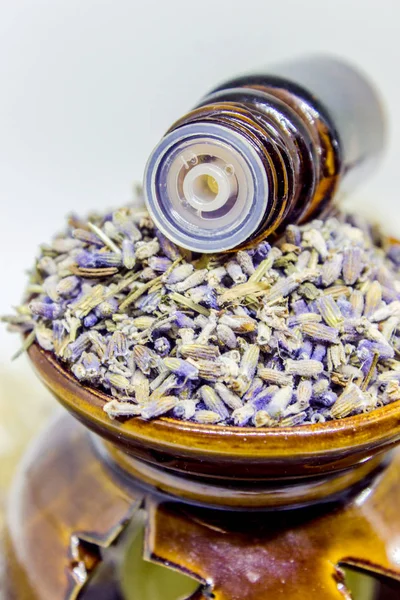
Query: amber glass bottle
(262, 151)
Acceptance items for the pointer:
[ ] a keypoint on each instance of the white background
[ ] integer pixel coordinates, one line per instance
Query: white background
(87, 87)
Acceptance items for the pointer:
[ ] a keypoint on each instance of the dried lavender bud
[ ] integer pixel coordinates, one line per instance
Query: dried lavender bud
(117, 346)
(169, 248)
(144, 250)
(235, 272)
(241, 416)
(352, 264)
(90, 238)
(238, 324)
(332, 269)
(320, 332)
(192, 281)
(75, 349)
(48, 311)
(91, 363)
(213, 402)
(313, 238)
(279, 402)
(319, 352)
(98, 259)
(180, 273)
(106, 308)
(207, 417)
(117, 381)
(182, 368)
(123, 221)
(304, 393)
(185, 410)
(245, 261)
(44, 336)
(263, 419)
(357, 302)
(373, 298)
(348, 402)
(226, 336)
(228, 397)
(143, 357)
(160, 263)
(304, 368)
(128, 254)
(158, 406)
(199, 351)
(330, 311)
(162, 346)
(115, 409)
(67, 286)
(274, 376)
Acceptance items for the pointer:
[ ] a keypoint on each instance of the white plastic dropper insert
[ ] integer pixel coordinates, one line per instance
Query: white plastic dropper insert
(206, 187)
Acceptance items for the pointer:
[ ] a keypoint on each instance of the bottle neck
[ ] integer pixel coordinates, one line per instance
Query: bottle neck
(295, 148)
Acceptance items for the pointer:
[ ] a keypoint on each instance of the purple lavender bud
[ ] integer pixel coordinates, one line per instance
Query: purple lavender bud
(149, 303)
(367, 348)
(117, 345)
(183, 321)
(106, 308)
(305, 351)
(90, 320)
(261, 252)
(46, 310)
(96, 260)
(327, 399)
(128, 254)
(365, 355)
(384, 350)
(293, 234)
(276, 363)
(282, 341)
(59, 331)
(352, 264)
(319, 352)
(182, 368)
(300, 307)
(91, 363)
(159, 263)
(264, 397)
(75, 349)
(345, 307)
(320, 332)
(169, 248)
(162, 346)
(204, 294)
(253, 391)
(68, 286)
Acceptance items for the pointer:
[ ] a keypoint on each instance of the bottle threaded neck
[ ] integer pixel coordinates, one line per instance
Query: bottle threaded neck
(222, 176)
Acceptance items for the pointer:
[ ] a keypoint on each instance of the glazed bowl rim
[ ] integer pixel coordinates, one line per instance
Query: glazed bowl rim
(378, 428)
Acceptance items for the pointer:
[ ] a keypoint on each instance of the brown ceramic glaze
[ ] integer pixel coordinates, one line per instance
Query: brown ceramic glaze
(228, 455)
(75, 493)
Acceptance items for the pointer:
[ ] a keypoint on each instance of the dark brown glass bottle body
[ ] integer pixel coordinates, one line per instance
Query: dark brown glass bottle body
(296, 134)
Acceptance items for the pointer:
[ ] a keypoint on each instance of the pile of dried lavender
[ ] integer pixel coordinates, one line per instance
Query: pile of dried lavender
(301, 332)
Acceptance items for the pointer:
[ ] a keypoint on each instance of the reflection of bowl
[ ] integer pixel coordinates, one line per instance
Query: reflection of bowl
(230, 466)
